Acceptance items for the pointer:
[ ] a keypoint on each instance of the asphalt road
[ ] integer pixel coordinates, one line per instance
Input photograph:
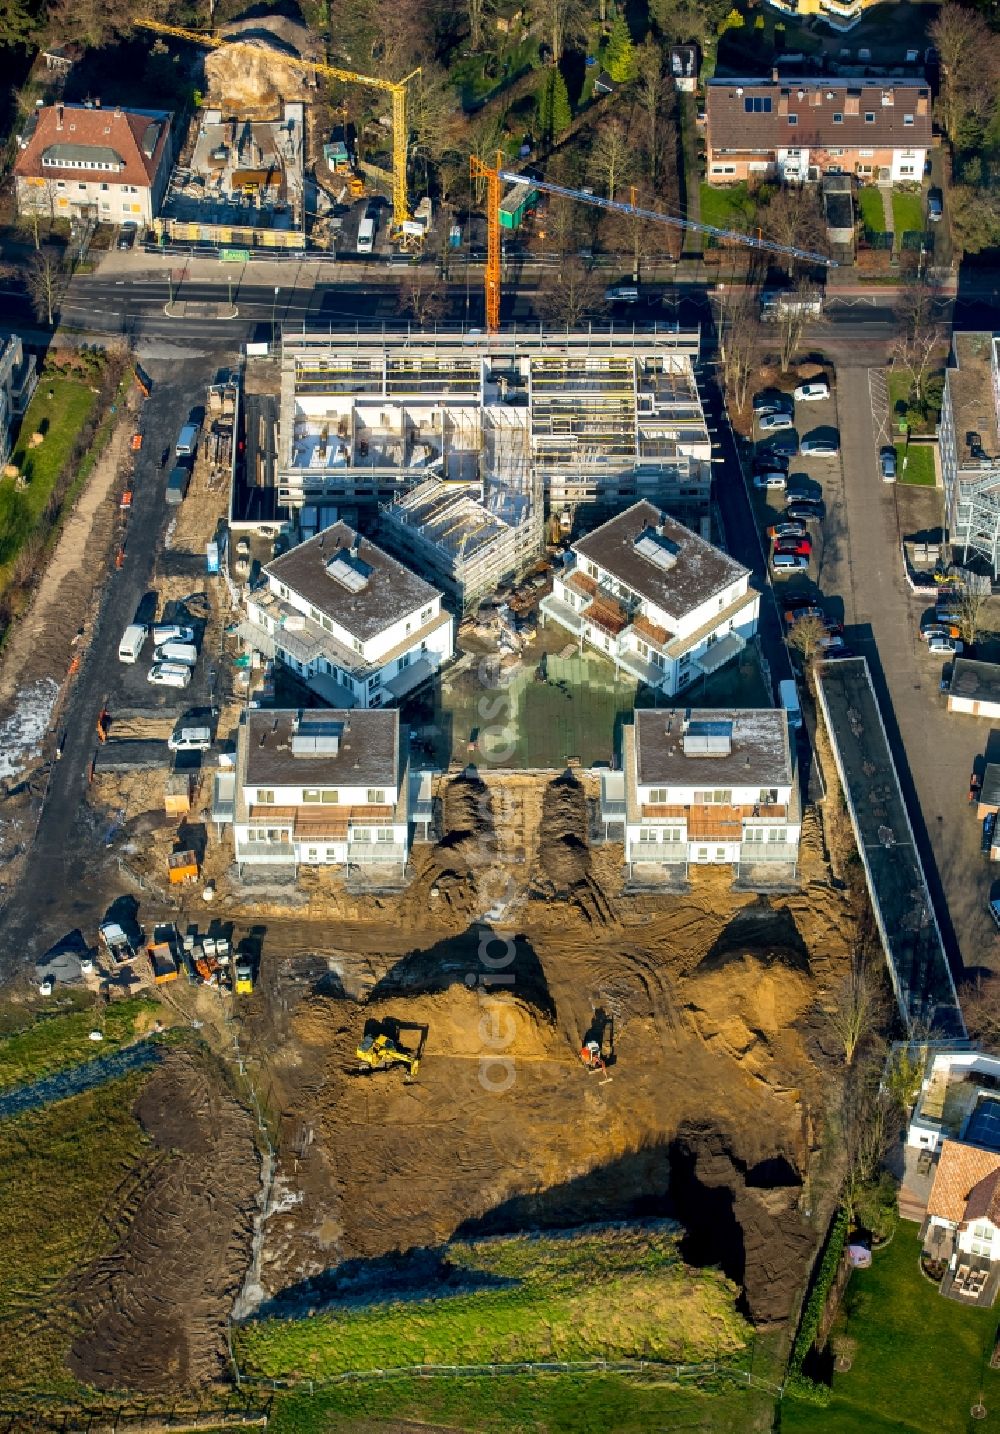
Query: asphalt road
(58, 889)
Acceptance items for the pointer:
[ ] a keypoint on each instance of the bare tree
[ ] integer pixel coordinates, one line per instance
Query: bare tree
(562, 225)
(793, 312)
(739, 338)
(574, 294)
(806, 635)
(794, 217)
(917, 348)
(612, 156)
(859, 1007)
(973, 597)
(561, 20)
(653, 95)
(421, 295)
(476, 10)
(871, 1117)
(46, 281)
(969, 71)
(981, 1009)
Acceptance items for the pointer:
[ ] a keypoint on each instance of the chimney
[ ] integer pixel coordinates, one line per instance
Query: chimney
(774, 74)
(59, 116)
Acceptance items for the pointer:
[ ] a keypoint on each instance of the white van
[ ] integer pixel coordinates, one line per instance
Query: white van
(183, 652)
(190, 739)
(788, 696)
(366, 235)
(169, 674)
(132, 643)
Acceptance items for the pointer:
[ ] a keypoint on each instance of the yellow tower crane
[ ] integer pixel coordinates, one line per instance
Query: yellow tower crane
(395, 88)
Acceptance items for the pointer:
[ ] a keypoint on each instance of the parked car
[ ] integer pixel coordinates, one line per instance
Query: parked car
(802, 614)
(768, 462)
(171, 632)
(126, 237)
(803, 546)
(807, 509)
(789, 562)
(887, 463)
(935, 205)
(813, 391)
(945, 646)
(800, 490)
(989, 827)
(792, 602)
(785, 444)
(819, 447)
(771, 422)
(772, 402)
(622, 294)
(169, 674)
(184, 653)
(771, 479)
(787, 528)
(995, 911)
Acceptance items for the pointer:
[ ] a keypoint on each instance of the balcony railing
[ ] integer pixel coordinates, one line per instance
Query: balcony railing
(754, 851)
(266, 853)
(371, 853)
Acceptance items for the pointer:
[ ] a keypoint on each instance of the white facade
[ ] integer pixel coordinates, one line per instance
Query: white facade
(710, 788)
(664, 634)
(953, 1084)
(321, 816)
(347, 662)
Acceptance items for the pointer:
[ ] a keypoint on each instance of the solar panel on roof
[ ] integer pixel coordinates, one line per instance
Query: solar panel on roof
(347, 574)
(654, 550)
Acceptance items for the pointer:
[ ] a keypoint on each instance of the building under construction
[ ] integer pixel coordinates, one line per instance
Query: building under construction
(523, 419)
(446, 532)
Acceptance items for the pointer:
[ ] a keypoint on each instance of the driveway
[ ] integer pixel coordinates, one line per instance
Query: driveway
(934, 751)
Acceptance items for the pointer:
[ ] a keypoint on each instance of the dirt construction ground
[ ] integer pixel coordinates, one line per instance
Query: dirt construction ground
(709, 1009)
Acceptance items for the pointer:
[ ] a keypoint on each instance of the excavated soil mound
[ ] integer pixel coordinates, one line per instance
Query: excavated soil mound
(563, 856)
(749, 1008)
(153, 1310)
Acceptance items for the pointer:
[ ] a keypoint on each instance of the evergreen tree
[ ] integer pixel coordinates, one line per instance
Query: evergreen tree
(621, 59)
(554, 112)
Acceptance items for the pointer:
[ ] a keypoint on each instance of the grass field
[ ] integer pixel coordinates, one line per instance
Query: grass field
(919, 464)
(872, 213)
(907, 212)
(47, 1044)
(556, 1404)
(610, 1293)
(60, 419)
(728, 208)
(922, 1362)
(62, 1169)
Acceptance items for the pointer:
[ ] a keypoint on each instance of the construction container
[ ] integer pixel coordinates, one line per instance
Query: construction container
(177, 794)
(515, 205)
(161, 958)
(182, 867)
(244, 978)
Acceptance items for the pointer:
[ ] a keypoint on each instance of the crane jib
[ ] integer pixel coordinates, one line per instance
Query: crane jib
(617, 207)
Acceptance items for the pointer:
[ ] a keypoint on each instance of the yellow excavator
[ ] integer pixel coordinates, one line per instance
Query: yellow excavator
(380, 1053)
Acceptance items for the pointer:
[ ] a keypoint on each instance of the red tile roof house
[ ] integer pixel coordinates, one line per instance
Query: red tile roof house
(85, 162)
(799, 130)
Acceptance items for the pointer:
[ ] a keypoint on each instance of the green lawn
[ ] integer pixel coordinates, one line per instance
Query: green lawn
(919, 464)
(872, 213)
(63, 1169)
(921, 1363)
(728, 208)
(59, 418)
(48, 1044)
(555, 1404)
(907, 212)
(614, 1293)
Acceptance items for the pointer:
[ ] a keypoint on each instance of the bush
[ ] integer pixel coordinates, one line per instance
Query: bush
(797, 1383)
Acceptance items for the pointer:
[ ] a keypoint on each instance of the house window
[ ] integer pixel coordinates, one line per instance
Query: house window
(361, 834)
(376, 796)
(657, 796)
(648, 834)
(753, 834)
(356, 645)
(907, 119)
(384, 834)
(793, 119)
(311, 794)
(592, 570)
(835, 151)
(425, 616)
(869, 117)
(265, 796)
(776, 834)
(721, 796)
(768, 796)
(642, 649)
(838, 119)
(906, 169)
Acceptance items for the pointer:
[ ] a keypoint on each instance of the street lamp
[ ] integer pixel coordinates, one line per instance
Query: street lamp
(274, 307)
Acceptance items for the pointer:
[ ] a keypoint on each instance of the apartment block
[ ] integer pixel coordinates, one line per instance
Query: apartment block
(969, 446)
(798, 130)
(321, 788)
(18, 381)
(663, 604)
(709, 787)
(356, 626)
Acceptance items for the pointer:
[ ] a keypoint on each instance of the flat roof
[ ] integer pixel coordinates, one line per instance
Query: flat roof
(975, 681)
(698, 571)
(368, 751)
(974, 404)
(390, 592)
(759, 752)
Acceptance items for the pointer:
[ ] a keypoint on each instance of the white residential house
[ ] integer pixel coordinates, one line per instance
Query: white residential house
(357, 627)
(663, 604)
(962, 1228)
(321, 788)
(957, 1101)
(710, 787)
(18, 381)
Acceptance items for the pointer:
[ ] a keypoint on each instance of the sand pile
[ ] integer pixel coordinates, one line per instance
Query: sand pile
(253, 72)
